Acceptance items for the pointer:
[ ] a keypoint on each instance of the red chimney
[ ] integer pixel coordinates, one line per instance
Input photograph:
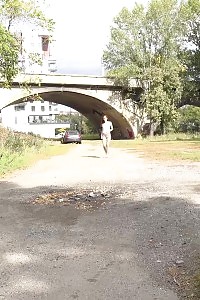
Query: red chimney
(45, 43)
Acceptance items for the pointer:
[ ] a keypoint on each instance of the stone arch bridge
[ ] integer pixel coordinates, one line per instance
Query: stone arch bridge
(91, 96)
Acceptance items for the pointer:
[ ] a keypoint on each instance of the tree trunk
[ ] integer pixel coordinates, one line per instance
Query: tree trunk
(162, 127)
(152, 129)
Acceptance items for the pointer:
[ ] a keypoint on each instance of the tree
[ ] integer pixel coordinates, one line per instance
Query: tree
(88, 127)
(13, 14)
(145, 44)
(191, 54)
(189, 120)
(9, 49)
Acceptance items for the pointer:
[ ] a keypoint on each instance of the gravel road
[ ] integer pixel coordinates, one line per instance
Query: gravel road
(82, 226)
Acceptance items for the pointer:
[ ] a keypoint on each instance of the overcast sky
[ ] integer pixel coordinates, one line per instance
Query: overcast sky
(82, 32)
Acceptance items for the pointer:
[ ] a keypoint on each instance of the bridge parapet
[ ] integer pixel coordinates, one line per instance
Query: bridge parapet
(71, 81)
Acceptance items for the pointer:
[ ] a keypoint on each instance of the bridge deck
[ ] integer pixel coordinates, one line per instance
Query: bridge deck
(86, 82)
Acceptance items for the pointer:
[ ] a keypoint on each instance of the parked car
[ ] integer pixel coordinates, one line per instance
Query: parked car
(71, 136)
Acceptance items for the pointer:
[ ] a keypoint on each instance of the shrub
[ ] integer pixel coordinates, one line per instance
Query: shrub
(16, 142)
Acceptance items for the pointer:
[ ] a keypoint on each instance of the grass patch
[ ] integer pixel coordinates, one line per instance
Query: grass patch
(47, 151)
(173, 147)
(94, 136)
(19, 150)
(11, 161)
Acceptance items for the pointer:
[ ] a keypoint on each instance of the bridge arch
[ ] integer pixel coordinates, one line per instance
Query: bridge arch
(87, 102)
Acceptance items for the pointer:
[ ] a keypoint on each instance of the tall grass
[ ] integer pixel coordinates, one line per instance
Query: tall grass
(20, 150)
(18, 142)
(14, 146)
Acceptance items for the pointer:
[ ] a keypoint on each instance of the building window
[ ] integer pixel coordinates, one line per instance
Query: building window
(15, 120)
(52, 66)
(49, 108)
(19, 107)
(42, 108)
(32, 108)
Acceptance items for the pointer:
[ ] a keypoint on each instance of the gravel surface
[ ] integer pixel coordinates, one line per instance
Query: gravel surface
(82, 226)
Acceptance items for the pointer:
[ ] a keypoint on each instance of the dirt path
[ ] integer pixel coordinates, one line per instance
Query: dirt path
(81, 226)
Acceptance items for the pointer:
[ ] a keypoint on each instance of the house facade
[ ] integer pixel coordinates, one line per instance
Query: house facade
(38, 117)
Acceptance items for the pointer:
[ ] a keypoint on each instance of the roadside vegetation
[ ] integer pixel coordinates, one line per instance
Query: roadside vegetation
(157, 44)
(175, 147)
(20, 150)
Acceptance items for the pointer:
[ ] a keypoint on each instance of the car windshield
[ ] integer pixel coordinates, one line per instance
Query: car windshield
(72, 132)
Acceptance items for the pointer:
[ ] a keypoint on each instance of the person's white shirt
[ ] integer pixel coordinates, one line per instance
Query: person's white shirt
(107, 127)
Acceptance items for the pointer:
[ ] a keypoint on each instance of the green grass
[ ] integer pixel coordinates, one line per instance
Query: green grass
(94, 136)
(11, 161)
(170, 147)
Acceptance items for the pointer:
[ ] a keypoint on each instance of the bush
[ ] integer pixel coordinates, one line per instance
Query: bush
(16, 142)
(189, 119)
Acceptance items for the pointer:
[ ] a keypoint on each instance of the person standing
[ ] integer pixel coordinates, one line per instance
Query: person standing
(106, 128)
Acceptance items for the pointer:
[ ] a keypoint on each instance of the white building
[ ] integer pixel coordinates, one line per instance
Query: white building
(38, 117)
(37, 53)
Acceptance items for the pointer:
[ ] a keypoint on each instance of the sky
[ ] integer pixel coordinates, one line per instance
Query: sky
(82, 32)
